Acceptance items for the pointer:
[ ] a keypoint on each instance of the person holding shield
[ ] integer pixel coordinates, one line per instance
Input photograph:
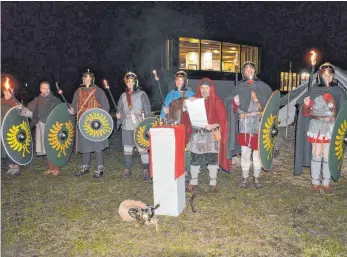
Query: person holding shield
(318, 109)
(133, 107)
(245, 108)
(87, 97)
(7, 102)
(38, 110)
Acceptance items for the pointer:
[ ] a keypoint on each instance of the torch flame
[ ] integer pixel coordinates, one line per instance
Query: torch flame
(105, 83)
(7, 84)
(313, 57)
(155, 72)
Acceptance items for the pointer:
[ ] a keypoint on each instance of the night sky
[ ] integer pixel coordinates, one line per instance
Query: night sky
(59, 40)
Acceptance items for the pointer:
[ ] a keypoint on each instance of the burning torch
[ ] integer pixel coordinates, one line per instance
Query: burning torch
(60, 92)
(313, 63)
(7, 85)
(106, 85)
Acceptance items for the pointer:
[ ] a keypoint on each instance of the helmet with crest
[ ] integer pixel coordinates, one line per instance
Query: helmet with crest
(86, 74)
(131, 77)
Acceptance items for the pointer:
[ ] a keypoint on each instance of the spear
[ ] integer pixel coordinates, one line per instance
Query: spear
(236, 62)
(60, 92)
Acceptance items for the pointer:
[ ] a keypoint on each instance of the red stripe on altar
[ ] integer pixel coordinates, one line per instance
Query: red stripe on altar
(179, 131)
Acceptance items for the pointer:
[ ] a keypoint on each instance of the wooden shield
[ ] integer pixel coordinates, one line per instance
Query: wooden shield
(59, 135)
(268, 130)
(96, 124)
(16, 137)
(141, 136)
(338, 143)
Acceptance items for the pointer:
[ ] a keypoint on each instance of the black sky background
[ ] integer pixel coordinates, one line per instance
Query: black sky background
(59, 40)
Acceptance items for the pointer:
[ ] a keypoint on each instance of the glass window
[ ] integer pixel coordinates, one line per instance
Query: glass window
(210, 55)
(230, 54)
(250, 53)
(189, 50)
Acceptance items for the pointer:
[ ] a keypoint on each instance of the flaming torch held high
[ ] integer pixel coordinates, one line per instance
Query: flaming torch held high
(8, 87)
(313, 64)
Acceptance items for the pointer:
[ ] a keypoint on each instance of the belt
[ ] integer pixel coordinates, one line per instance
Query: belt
(129, 116)
(243, 115)
(324, 118)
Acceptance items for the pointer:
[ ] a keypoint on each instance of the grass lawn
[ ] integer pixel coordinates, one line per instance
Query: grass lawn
(70, 216)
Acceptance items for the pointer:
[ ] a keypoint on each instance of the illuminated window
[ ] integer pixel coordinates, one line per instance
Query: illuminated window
(210, 55)
(250, 53)
(229, 54)
(189, 49)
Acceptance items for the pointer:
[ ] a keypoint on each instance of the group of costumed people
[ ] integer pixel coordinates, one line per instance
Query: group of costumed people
(233, 125)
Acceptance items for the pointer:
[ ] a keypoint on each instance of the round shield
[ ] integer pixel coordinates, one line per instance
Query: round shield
(268, 130)
(59, 135)
(16, 137)
(96, 124)
(141, 136)
(338, 143)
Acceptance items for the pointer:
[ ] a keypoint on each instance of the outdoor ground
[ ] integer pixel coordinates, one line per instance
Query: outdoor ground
(70, 216)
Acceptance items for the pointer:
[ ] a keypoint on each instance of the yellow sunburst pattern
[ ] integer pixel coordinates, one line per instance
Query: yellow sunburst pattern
(269, 142)
(339, 142)
(105, 126)
(140, 135)
(12, 138)
(53, 137)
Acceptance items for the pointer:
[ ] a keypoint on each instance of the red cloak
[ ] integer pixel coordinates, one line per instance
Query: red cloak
(217, 114)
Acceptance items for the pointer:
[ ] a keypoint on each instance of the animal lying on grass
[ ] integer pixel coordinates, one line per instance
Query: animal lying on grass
(131, 210)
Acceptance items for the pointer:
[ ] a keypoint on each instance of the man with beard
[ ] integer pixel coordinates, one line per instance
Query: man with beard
(133, 107)
(89, 96)
(245, 107)
(210, 141)
(318, 109)
(7, 102)
(38, 110)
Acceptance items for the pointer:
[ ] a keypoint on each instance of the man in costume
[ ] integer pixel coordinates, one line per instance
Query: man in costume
(7, 102)
(207, 142)
(89, 96)
(318, 109)
(133, 107)
(174, 109)
(38, 110)
(245, 107)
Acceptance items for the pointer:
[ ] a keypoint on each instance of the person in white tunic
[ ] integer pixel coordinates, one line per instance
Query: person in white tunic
(38, 110)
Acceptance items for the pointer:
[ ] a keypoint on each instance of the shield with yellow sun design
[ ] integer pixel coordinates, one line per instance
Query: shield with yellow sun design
(338, 143)
(141, 136)
(96, 125)
(268, 131)
(16, 137)
(59, 135)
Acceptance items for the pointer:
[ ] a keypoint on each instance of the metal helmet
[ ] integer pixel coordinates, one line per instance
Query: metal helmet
(131, 77)
(245, 65)
(325, 68)
(88, 73)
(182, 74)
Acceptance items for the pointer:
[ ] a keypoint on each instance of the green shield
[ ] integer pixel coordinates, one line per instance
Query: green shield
(268, 130)
(338, 143)
(141, 136)
(59, 135)
(96, 124)
(16, 137)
